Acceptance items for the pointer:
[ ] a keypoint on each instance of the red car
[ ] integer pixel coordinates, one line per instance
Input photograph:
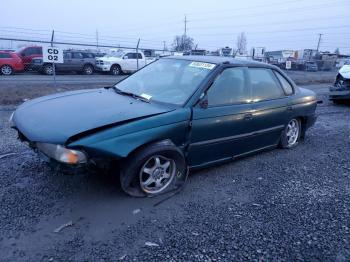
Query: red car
(28, 53)
(10, 62)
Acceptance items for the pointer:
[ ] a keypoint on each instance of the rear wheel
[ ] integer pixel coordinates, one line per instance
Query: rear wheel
(291, 134)
(116, 70)
(154, 170)
(6, 70)
(88, 70)
(48, 69)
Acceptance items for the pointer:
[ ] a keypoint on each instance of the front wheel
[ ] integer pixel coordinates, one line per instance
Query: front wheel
(6, 70)
(116, 70)
(291, 134)
(88, 70)
(154, 170)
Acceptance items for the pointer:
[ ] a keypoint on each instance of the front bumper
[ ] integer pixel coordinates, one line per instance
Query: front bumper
(103, 68)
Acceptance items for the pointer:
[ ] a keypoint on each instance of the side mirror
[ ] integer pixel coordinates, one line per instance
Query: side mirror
(125, 57)
(203, 101)
(23, 54)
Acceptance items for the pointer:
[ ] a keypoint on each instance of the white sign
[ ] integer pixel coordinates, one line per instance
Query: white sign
(288, 64)
(52, 55)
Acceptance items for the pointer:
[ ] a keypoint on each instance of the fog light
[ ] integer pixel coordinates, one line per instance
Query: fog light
(62, 154)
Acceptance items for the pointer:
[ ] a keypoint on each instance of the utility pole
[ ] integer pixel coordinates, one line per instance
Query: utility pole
(184, 35)
(163, 47)
(319, 41)
(96, 39)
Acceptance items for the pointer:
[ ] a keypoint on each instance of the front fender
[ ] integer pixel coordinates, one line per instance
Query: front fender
(120, 141)
(122, 146)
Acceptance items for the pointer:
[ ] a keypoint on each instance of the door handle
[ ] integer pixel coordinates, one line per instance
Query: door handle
(289, 108)
(248, 116)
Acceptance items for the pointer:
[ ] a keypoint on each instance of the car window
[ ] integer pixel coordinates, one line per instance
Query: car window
(77, 55)
(38, 50)
(5, 55)
(67, 55)
(130, 55)
(287, 87)
(88, 55)
(229, 88)
(264, 84)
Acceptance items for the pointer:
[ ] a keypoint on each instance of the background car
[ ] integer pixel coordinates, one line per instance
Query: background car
(28, 53)
(311, 66)
(340, 90)
(9, 63)
(73, 61)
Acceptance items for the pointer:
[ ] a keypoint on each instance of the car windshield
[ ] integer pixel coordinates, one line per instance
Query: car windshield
(167, 80)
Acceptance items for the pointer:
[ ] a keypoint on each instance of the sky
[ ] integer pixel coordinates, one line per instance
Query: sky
(273, 24)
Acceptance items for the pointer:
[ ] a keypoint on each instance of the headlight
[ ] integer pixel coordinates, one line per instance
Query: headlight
(62, 154)
(12, 123)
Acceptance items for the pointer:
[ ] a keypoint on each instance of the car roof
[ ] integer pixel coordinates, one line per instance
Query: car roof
(219, 60)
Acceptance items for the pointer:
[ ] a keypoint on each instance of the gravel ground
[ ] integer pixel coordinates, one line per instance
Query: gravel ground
(280, 205)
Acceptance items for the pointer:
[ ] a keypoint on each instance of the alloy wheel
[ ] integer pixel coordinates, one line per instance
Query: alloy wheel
(157, 174)
(6, 70)
(292, 132)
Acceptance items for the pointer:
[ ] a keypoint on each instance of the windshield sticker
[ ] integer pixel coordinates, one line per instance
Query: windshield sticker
(148, 97)
(202, 65)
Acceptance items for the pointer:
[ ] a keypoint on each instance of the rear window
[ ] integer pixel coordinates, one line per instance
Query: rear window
(5, 55)
(287, 87)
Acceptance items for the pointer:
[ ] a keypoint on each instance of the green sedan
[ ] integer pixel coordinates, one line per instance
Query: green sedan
(174, 115)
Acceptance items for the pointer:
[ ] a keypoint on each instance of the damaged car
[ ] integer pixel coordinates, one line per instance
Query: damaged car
(173, 115)
(340, 90)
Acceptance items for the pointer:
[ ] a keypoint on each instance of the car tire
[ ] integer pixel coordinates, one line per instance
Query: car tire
(116, 70)
(88, 70)
(6, 70)
(291, 134)
(48, 69)
(153, 170)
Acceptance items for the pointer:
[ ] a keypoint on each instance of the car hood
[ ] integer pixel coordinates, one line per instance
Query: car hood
(345, 71)
(56, 118)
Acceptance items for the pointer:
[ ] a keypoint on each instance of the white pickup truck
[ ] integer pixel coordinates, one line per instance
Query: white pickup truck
(123, 62)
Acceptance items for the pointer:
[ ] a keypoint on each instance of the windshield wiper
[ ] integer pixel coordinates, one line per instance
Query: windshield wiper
(138, 97)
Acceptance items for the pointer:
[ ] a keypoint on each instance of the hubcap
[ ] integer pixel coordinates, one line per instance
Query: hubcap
(88, 70)
(116, 71)
(6, 70)
(157, 174)
(49, 70)
(292, 132)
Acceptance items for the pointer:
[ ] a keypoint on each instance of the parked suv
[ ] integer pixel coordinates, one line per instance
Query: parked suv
(28, 53)
(73, 60)
(10, 62)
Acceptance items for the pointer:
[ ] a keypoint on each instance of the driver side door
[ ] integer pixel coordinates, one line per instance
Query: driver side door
(221, 130)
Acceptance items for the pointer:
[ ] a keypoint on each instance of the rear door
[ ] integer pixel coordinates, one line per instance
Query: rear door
(77, 61)
(270, 106)
(221, 130)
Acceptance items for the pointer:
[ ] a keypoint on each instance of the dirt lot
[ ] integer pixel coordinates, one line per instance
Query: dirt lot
(17, 88)
(279, 205)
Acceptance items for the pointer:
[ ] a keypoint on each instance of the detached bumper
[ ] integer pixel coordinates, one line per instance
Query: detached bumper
(334, 95)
